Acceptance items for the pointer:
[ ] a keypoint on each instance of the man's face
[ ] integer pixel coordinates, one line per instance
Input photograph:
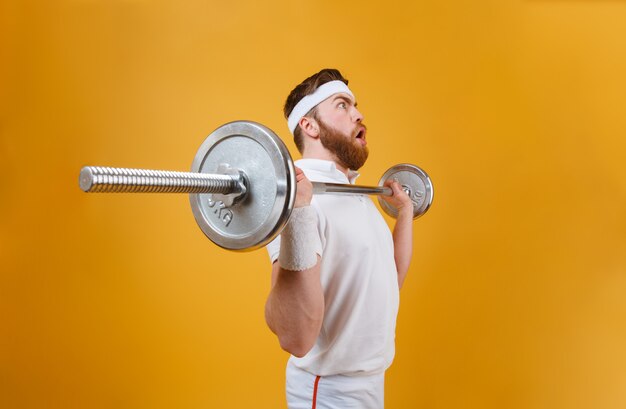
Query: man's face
(342, 131)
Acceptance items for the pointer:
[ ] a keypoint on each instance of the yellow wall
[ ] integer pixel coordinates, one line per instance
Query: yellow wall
(517, 109)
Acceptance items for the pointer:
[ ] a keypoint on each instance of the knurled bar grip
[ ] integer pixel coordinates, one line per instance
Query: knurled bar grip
(97, 179)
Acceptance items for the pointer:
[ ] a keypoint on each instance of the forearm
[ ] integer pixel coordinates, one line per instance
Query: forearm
(295, 308)
(403, 243)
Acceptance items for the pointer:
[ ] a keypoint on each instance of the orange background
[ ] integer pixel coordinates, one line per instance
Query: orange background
(517, 109)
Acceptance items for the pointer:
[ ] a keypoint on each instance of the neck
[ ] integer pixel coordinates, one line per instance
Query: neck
(319, 152)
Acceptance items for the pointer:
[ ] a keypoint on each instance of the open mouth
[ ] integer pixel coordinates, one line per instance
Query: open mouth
(360, 136)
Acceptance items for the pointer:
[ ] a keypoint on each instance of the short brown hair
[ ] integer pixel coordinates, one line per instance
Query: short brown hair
(307, 87)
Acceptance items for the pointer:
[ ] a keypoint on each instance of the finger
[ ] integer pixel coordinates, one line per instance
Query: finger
(397, 189)
(393, 184)
(299, 174)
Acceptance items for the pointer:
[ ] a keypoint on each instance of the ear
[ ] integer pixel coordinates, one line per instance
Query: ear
(310, 127)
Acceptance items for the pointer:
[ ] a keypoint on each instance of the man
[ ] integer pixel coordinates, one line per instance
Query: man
(337, 268)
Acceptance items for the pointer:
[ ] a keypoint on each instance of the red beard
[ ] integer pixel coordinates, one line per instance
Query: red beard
(348, 151)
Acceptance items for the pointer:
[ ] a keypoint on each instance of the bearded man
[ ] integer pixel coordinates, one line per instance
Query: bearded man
(336, 267)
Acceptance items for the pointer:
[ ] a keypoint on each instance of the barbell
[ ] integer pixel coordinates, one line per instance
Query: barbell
(242, 185)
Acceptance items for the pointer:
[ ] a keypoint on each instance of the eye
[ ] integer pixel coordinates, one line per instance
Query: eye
(342, 105)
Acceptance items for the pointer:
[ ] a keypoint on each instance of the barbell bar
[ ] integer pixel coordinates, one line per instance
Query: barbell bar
(104, 179)
(242, 185)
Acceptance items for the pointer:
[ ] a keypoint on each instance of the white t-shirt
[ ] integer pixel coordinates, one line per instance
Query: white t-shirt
(359, 280)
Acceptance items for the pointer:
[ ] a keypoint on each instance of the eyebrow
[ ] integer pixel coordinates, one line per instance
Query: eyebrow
(348, 100)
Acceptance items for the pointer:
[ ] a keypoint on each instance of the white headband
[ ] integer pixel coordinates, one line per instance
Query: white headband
(310, 101)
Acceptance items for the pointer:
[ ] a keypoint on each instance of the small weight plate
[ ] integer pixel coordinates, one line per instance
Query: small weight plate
(415, 183)
(255, 220)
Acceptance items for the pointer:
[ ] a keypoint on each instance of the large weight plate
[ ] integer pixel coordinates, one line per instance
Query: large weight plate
(415, 183)
(255, 220)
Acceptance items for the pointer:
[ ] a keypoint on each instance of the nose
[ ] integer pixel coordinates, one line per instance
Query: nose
(356, 115)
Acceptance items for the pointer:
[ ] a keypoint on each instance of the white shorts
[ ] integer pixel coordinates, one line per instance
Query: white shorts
(308, 391)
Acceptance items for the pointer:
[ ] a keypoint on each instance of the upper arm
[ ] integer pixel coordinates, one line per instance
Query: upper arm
(275, 268)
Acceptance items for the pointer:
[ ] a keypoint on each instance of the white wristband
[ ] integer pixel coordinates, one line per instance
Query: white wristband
(299, 241)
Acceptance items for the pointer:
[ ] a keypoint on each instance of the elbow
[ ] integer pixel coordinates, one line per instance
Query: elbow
(297, 342)
(297, 346)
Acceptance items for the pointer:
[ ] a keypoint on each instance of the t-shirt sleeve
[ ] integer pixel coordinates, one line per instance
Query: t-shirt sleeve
(273, 249)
